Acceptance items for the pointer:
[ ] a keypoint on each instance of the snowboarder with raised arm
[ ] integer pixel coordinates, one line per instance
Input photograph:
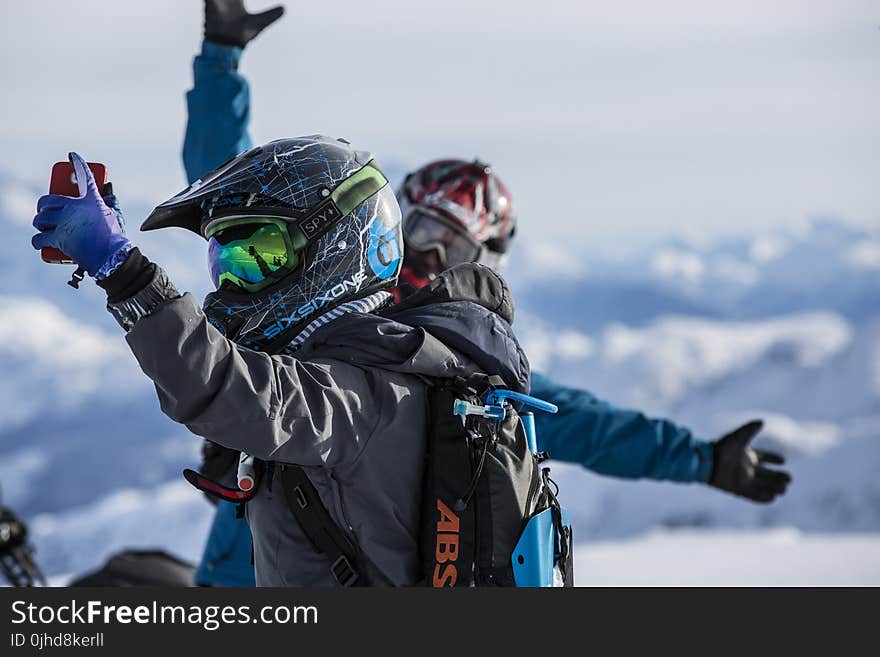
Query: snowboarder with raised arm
(292, 360)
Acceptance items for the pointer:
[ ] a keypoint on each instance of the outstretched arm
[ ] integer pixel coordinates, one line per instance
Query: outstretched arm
(219, 103)
(617, 442)
(626, 443)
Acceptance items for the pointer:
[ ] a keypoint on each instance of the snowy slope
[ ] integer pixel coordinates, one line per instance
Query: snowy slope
(770, 557)
(168, 516)
(784, 327)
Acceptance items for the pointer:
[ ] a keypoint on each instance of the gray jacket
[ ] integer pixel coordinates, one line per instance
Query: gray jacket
(350, 407)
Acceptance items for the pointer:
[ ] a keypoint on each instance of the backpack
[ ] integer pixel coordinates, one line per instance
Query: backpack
(490, 517)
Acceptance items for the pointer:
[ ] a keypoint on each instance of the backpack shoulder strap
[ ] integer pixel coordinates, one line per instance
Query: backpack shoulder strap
(349, 566)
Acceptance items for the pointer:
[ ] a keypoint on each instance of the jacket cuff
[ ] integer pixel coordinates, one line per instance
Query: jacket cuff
(705, 461)
(221, 54)
(115, 261)
(128, 278)
(158, 291)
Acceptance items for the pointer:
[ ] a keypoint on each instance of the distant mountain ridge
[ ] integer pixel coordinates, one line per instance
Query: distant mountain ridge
(828, 265)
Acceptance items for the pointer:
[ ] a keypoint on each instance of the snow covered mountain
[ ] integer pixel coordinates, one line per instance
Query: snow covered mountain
(784, 327)
(825, 265)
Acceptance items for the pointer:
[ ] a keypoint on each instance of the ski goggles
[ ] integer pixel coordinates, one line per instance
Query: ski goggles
(252, 252)
(424, 230)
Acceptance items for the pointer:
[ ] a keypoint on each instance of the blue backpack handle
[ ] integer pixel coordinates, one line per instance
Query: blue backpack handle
(496, 402)
(498, 397)
(501, 396)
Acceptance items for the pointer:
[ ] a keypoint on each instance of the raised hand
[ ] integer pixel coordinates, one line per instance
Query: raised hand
(229, 23)
(84, 227)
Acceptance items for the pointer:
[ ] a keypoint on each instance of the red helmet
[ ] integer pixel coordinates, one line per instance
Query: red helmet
(454, 211)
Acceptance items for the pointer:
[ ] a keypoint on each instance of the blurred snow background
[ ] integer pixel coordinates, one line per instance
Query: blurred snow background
(87, 456)
(700, 238)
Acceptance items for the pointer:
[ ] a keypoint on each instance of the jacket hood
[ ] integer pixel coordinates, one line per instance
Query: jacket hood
(466, 282)
(458, 325)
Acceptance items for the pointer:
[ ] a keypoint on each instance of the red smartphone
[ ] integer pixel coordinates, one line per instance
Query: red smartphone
(63, 181)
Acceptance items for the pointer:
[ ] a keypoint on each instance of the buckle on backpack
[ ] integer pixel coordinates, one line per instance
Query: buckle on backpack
(301, 498)
(464, 408)
(343, 572)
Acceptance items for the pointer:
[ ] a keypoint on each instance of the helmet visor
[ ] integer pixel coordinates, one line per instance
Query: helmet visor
(249, 251)
(425, 230)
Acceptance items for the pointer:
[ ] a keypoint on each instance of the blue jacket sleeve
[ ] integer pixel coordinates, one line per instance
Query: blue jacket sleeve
(219, 108)
(614, 441)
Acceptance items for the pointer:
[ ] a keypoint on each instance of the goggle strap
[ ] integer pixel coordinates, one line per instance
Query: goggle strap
(234, 220)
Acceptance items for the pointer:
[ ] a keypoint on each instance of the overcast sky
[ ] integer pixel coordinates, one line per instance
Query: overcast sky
(616, 122)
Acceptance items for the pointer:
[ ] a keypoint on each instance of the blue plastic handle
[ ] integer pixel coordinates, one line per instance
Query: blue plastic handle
(528, 422)
(502, 395)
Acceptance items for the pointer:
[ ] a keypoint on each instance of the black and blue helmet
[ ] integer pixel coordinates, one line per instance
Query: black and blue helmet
(339, 213)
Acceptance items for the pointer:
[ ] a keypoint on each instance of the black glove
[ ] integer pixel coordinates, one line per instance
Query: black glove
(229, 23)
(739, 469)
(218, 464)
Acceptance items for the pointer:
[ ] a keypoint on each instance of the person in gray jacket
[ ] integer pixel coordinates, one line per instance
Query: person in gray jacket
(298, 358)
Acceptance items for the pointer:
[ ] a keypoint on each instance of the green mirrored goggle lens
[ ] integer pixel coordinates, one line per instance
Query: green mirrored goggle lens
(248, 253)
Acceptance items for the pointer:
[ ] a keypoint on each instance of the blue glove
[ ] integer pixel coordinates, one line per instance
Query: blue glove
(84, 228)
